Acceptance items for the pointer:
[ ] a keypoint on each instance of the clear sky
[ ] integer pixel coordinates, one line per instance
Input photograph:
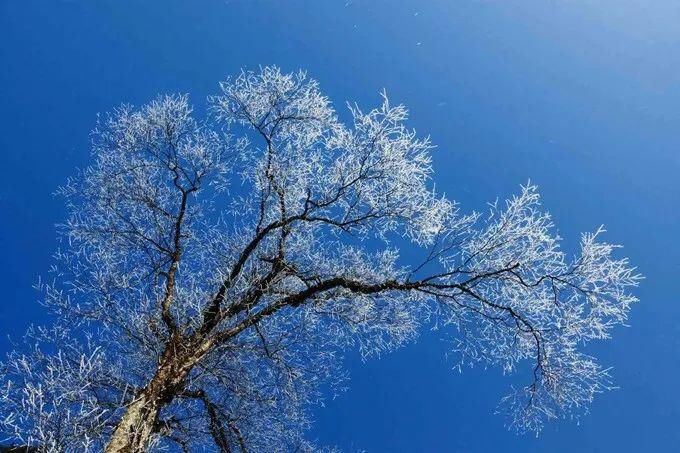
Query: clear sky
(582, 97)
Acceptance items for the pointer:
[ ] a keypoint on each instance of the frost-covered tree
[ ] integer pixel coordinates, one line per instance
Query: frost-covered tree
(213, 272)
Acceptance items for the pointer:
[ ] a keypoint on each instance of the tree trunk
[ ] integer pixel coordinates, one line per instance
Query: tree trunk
(138, 425)
(135, 430)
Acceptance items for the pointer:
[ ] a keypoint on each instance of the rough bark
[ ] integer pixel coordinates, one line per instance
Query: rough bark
(139, 423)
(135, 430)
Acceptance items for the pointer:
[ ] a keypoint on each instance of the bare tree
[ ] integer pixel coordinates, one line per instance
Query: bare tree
(213, 272)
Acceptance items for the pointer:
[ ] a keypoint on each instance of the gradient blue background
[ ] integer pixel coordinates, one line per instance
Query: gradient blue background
(583, 97)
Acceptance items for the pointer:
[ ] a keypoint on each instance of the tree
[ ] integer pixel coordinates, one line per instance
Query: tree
(213, 272)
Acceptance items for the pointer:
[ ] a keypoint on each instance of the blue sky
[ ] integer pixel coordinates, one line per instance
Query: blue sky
(582, 97)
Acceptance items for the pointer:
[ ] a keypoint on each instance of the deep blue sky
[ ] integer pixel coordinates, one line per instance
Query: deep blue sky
(583, 97)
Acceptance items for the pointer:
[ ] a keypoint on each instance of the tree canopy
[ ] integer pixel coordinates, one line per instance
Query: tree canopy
(213, 272)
